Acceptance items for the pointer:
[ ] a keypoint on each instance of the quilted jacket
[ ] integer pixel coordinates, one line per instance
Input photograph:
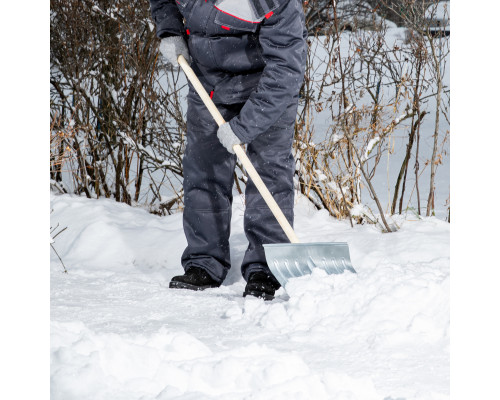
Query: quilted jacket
(243, 51)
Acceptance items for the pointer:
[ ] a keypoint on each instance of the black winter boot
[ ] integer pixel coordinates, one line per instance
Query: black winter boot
(194, 278)
(261, 285)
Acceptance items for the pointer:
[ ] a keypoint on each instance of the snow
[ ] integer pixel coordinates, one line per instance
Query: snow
(370, 146)
(118, 331)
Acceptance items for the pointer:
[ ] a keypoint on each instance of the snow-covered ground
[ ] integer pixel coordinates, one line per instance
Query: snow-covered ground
(119, 332)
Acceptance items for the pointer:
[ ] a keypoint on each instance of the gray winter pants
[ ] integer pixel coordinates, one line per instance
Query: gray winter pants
(208, 182)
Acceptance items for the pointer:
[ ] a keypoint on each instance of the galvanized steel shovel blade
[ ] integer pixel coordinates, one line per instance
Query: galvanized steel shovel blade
(291, 260)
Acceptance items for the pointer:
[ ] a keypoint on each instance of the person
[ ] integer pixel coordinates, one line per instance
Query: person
(250, 56)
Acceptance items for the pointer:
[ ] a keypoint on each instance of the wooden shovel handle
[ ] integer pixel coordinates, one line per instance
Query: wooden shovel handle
(240, 152)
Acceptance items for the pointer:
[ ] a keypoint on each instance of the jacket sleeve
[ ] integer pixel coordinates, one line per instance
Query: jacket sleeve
(283, 41)
(167, 18)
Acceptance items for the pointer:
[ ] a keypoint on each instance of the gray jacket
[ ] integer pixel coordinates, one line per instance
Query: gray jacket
(243, 51)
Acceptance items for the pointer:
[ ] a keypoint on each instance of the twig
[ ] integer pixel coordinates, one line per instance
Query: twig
(368, 181)
(345, 203)
(65, 270)
(57, 234)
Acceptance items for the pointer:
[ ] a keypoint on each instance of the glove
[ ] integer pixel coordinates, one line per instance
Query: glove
(172, 47)
(227, 137)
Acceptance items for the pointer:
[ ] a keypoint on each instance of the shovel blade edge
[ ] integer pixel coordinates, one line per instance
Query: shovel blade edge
(292, 260)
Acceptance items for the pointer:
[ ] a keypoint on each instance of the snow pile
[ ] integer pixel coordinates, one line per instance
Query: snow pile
(374, 310)
(92, 365)
(170, 365)
(118, 332)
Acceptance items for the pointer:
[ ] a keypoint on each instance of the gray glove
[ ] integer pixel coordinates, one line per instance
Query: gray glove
(173, 46)
(227, 137)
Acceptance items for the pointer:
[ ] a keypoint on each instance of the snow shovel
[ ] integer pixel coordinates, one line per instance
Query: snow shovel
(285, 260)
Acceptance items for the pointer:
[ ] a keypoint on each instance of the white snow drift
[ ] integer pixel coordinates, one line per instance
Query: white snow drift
(118, 332)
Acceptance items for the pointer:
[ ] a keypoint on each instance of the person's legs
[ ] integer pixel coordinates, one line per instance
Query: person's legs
(271, 155)
(208, 181)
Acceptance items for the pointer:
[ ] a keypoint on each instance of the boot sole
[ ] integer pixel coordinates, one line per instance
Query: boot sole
(256, 293)
(183, 285)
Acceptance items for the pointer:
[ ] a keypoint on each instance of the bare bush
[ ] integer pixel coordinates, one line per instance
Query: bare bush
(127, 129)
(118, 115)
(370, 86)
